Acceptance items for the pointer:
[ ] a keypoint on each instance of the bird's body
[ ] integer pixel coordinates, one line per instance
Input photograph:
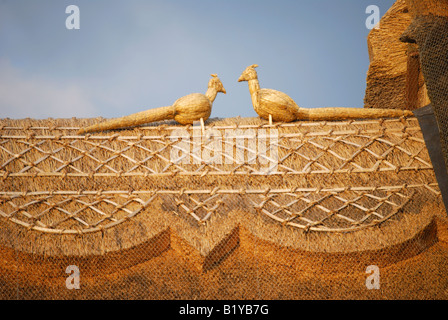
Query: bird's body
(275, 103)
(185, 110)
(278, 106)
(191, 108)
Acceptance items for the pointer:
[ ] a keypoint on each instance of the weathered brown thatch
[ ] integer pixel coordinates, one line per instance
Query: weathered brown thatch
(257, 269)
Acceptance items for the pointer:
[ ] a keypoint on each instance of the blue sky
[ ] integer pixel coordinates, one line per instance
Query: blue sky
(133, 55)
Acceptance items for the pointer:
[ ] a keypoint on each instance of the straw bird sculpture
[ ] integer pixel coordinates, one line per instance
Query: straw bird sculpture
(274, 105)
(185, 110)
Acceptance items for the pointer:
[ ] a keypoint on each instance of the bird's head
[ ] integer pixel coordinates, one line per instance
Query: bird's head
(216, 83)
(249, 73)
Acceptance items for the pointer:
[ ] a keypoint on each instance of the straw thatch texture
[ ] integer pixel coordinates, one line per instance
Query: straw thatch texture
(140, 225)
(394, 78)
(428, 7)
(315, 177)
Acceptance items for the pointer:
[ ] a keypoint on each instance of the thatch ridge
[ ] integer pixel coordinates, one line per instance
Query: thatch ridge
(391, 178)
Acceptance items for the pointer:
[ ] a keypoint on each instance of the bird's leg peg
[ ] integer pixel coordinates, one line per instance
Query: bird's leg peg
(202, 126)
(270, 119)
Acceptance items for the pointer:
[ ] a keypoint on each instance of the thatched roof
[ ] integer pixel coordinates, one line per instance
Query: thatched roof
(344, 195)
(330, 177)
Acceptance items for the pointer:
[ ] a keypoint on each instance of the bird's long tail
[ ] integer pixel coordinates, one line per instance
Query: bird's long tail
(349, 113)
(135, 119)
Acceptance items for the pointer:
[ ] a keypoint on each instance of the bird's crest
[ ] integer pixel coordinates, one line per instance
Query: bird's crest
(216, 83)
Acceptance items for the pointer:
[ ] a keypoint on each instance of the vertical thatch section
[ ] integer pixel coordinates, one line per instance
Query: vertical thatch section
(394, 78)
(428, 30)
(428, 7)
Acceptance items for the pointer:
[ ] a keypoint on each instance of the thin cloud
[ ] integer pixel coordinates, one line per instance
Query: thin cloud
(25, 95)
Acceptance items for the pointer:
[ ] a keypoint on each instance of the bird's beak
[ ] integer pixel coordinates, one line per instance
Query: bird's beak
(224, 91)
(240, 78)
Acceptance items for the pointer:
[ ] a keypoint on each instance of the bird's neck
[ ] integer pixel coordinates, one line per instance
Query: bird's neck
(211, 93)
(254, 86)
